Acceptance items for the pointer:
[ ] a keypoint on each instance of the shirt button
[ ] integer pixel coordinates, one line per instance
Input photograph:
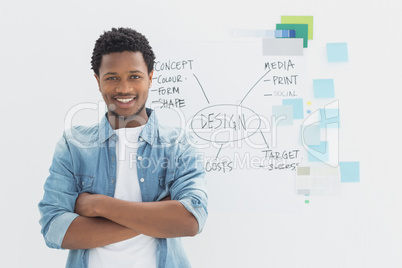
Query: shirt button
(139, 158)
(141, 139)
(142, 180)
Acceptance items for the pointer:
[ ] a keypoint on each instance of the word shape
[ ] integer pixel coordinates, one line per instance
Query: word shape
(171, 103)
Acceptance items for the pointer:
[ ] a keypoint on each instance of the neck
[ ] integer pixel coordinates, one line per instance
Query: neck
(117, 121)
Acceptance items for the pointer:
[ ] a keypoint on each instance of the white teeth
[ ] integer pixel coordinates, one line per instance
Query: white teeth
(125, 100)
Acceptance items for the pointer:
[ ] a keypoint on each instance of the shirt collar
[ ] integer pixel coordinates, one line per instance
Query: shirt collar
(148, 133)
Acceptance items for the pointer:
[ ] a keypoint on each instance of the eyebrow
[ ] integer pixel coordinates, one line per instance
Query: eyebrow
(114, 73)
(109, 73)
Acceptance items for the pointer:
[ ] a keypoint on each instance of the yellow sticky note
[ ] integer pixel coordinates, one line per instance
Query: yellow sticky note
(300, 20)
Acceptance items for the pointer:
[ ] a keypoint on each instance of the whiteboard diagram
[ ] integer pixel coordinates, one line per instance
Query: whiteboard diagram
(263, 121)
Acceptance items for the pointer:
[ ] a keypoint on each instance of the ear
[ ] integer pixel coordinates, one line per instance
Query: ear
(98, 80)
(150, 77)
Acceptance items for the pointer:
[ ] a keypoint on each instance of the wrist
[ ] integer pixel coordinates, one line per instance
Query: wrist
(99, 204)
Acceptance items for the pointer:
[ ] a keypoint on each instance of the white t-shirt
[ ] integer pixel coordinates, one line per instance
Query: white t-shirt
(139, 251)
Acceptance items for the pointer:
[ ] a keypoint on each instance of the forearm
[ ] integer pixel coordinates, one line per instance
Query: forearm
(156, 219)
(86, 233)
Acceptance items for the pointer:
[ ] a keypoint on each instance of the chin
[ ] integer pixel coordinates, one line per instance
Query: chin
(128, 116)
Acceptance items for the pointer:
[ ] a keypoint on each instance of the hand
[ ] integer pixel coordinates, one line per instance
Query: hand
(166, 198)
(85, 205)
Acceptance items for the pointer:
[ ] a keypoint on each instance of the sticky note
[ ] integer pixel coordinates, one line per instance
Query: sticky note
(318, 179)
(297, 107)
(282, 47)
(318, 153)
(292, 33)
(311, 135)
(337, 52)
(318, 171)
(301, 31)
(324, 88)
(331, 171)
(278, 33)
(349, 171)
(303, 182)
(300, 20)
(283, 114)
(324, 171)
(304, 192)
(285, 33)
(330, 113)
(303, 171)
(329, 118)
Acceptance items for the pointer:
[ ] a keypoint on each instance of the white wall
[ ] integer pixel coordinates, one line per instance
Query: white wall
(45, 70)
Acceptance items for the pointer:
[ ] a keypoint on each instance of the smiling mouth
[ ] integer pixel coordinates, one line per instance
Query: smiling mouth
(125, 100)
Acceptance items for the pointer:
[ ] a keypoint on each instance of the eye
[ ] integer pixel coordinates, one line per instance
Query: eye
(111, 78)
(134, 76)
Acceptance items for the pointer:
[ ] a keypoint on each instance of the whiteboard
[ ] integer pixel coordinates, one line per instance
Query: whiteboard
(224, 96)
(258, 217)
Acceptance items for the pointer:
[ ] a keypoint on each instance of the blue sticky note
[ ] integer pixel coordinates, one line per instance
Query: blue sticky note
(285, 33)
(283, 114)
(278, 33)
(350, 171)
(297, 107)
(292, 33)
(337, 52)
(311, 135)
(321, 152)
(329, 118)
(324, 88)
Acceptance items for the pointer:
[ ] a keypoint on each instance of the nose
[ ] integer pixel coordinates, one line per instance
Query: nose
(123, 87)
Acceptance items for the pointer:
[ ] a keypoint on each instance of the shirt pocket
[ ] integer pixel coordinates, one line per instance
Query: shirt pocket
(84, 182)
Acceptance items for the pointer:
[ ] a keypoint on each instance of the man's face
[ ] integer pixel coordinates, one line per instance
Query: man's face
(124, 83)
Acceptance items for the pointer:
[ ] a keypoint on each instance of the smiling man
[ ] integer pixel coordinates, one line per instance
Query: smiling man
(123, 192)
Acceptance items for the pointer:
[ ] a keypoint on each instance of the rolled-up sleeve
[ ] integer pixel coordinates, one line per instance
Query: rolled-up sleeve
(189, 186)
(60, 192)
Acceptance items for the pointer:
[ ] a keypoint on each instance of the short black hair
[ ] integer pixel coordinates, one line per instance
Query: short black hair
(120, 40)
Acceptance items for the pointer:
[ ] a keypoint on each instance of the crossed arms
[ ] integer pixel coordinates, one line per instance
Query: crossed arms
(105, 220)
(72, 220)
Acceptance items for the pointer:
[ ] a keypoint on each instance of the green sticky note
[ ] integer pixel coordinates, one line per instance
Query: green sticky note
(301, 30)
(300, 20)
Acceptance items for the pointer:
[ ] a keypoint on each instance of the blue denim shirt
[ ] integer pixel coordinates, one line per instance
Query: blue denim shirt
(85, 161)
